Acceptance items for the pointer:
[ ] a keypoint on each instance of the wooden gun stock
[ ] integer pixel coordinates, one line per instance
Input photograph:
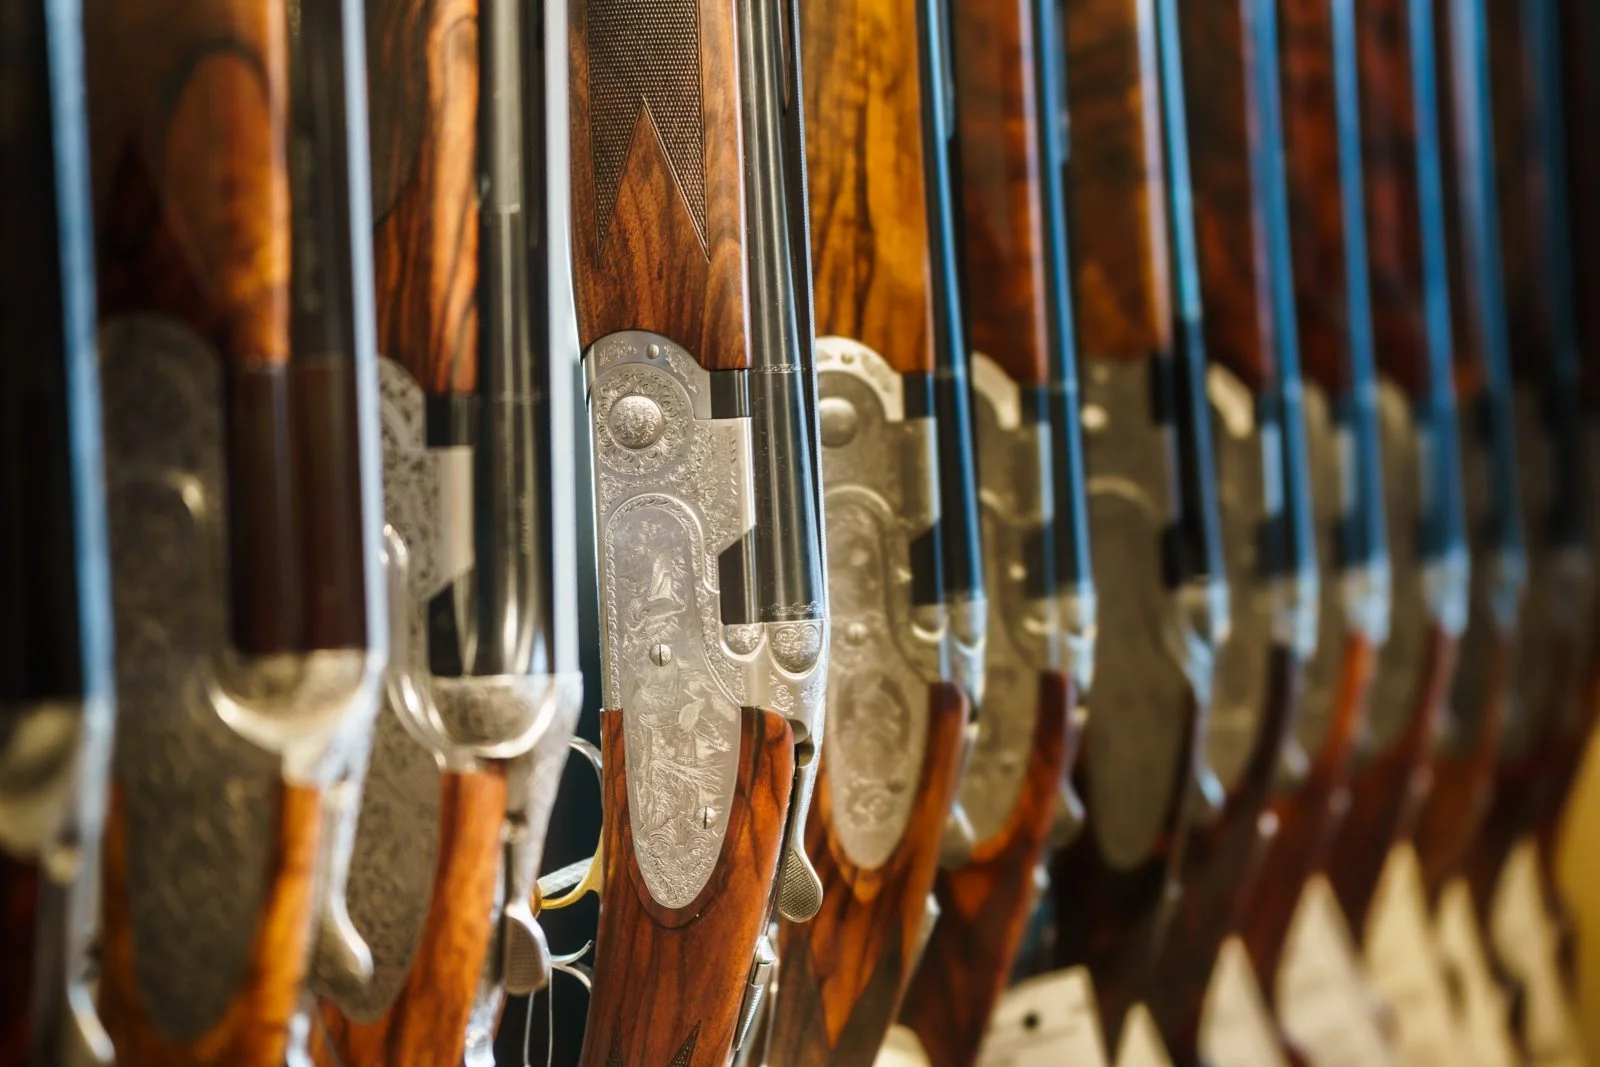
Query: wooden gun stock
(19, 928)
(841, 975)
(674, 979)
(1219, 872)
(985, 904)
(254, 1030)
(1388, 789)
(1308, 815)
(427, 1022)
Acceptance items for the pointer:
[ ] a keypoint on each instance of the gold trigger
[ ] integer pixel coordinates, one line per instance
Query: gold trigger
(576, 880)
(588, 881)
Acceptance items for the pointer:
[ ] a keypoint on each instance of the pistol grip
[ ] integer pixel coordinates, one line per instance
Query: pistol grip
(254, 1030)
(669, 982)
(841, 975)
(985, 904)
(427, 1023)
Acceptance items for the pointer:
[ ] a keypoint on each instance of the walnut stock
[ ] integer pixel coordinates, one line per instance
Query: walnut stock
(671, 981)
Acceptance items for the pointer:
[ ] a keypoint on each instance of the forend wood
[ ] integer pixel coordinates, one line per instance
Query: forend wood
(1117, 211)
(842, 974)
(985, 904)
(1389, 163)
(864, 152)
(1316, 205)
(189, 116)
(423, 71)
(427, 1023)
(657, 172)
(670, 981)
(1520, 185)
(254, 1030)
(1229, 217)
(1001, 176)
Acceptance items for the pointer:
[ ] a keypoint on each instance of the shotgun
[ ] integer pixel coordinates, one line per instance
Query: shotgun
(904, 555)
(1405, 238)
(687, 182)
(1152, 500)
(1016, 791)
(1517, 126)
(483, 690)
(1253, 385)
(1492, 290)
(56, 705)
(240, 387)
(1333, 313)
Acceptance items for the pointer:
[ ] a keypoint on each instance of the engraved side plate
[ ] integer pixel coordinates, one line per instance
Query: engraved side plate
(1401, 660)
(879, 475)
(196, 883)
(1137, 729)
(1320, 675)
(672, 489)
(1249, 494)
(1025, 636)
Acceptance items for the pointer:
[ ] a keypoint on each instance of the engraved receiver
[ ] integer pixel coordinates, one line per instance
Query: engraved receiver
(686, 194)
(1016, 791)
(55, 601)
(240, 391)
(483, 689)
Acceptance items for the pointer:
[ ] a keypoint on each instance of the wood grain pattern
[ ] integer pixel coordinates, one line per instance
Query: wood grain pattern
(1389, 162)
(423, 70)
(1316, 206)
(19, 932)
(1220, 865)
(864, 151)
(653, 271)
(427, 1023)
(1388, 788)
(1309, 813)
(1116, 205)
(985, 904)
(998, 109)
(254, 1031)
(669, 982)
(1229, 218)
(1464, 779)
(843, 973)
(189, 147)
